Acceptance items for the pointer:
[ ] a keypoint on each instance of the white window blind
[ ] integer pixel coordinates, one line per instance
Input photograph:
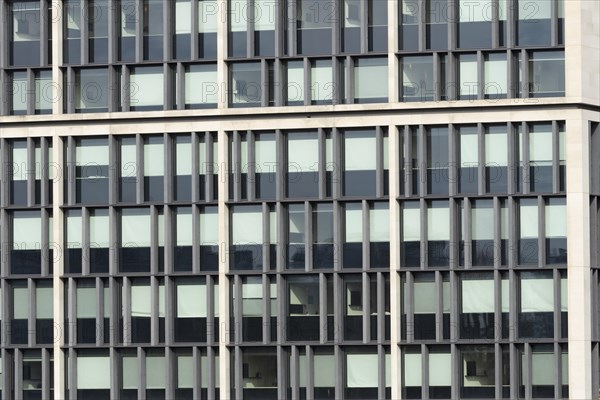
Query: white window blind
(379, 225)
(135, 228)
(303, 153)
(264, 15)
(475, 10)
(370, 78)
(540, 146)
(352, 13)
(129, 165)
(130, 373)
(537, 295)
(184, 227)
(93, 372)
(20, 303)
(322, 81)
(91, 155)
(183, 17)
(252, 294)
(185, 372)
(208, 12)
(425, 298)
(302, 368)
(411, 224)
(495, 73)
(534, 9)
(183, 161)
(543, 368)
(74, 230)
(201, 84)
(496, 150)
(295, 81)
(478, 296)
(556, 221)
(360, 152)
(191, 301)
(209, 231)
(43, 303)
(43, 90)
(468, 75)
(19, 163)
(529, 221)
(156, 372)
(438, 224)
(440, 369)
(27, 230)
(146, 87)
(154, 157)
(324, 370)
(482, 223)
(99, 231)
(247, 226)
(363, 371)
(238, 15)
(468, 150)
(265, 154)
(412, 370)
(354, 224)
(141, 301)
(505, 295)
(86, 302)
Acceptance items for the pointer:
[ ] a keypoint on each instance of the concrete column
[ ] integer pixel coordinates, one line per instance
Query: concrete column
(578, 247)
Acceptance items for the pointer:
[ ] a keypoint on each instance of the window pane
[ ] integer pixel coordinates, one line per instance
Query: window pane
(478, 296)
(155, 372)
(379, 227)
(438, 221)
(19, 93)
(547, 73)
(44, 302)
(362, 370)
(247, 225)
(295, 82)
(322, 82)
(191, 301)
(417, 78)
(146, 89)
(93, 372)
(201, 85)
(86, 302)
(537, 294)
(496, 76)
(370, 80)
(246, 84)
(135, 228)
(27, 230)
(468, 76)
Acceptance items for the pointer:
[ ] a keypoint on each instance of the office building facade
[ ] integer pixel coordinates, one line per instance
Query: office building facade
(299, 199)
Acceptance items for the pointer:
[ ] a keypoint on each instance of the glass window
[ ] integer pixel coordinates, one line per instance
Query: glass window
(201, 87)
(362, 370)
(156, 375)
(351, 24)
(19, 168)
(153, 30)
(303, 164)
(534, 22)
(146, 88)
(128, 170)
(360, 163)
(185, 375)
(353, 236)
(265, 164)
(19, 93)
(265, 14)
(154, 168)
(495, 74)
(191, 313)
(412, 374)
(93, 373)
(207, 28)
(238, 24)
(73, 241)
(98, 31)
(543, 371)
(477, 307)
(20, 313)
(482, 233)
(27, 242)
(425, 307)
(44, 96)
(296, 236)
(246, 85)
(131, 374)
(411, 234)
(135, 240)
(377, 24)
(469, 160)
(129, 19)
(437, 160)
(440, 374)
(246, 237)
(370, 79)
(314, 21)
(547, 73)
(182, 256)
(556, 231)
(183, 29)
(467, 76)
(496, 159)
(92, 165)
(438, 233)
(528, 243)
(540, 157)
(44, 323)
(475, 24)
(303, 308)
(536, 312)
(478, 372)
(323, 249)
(437, 14)
(90, 90)
(72, 31)
(322, 82)
(409, 37)
(417, 78)
(26, 28)
(379, 232)
(295, 83)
